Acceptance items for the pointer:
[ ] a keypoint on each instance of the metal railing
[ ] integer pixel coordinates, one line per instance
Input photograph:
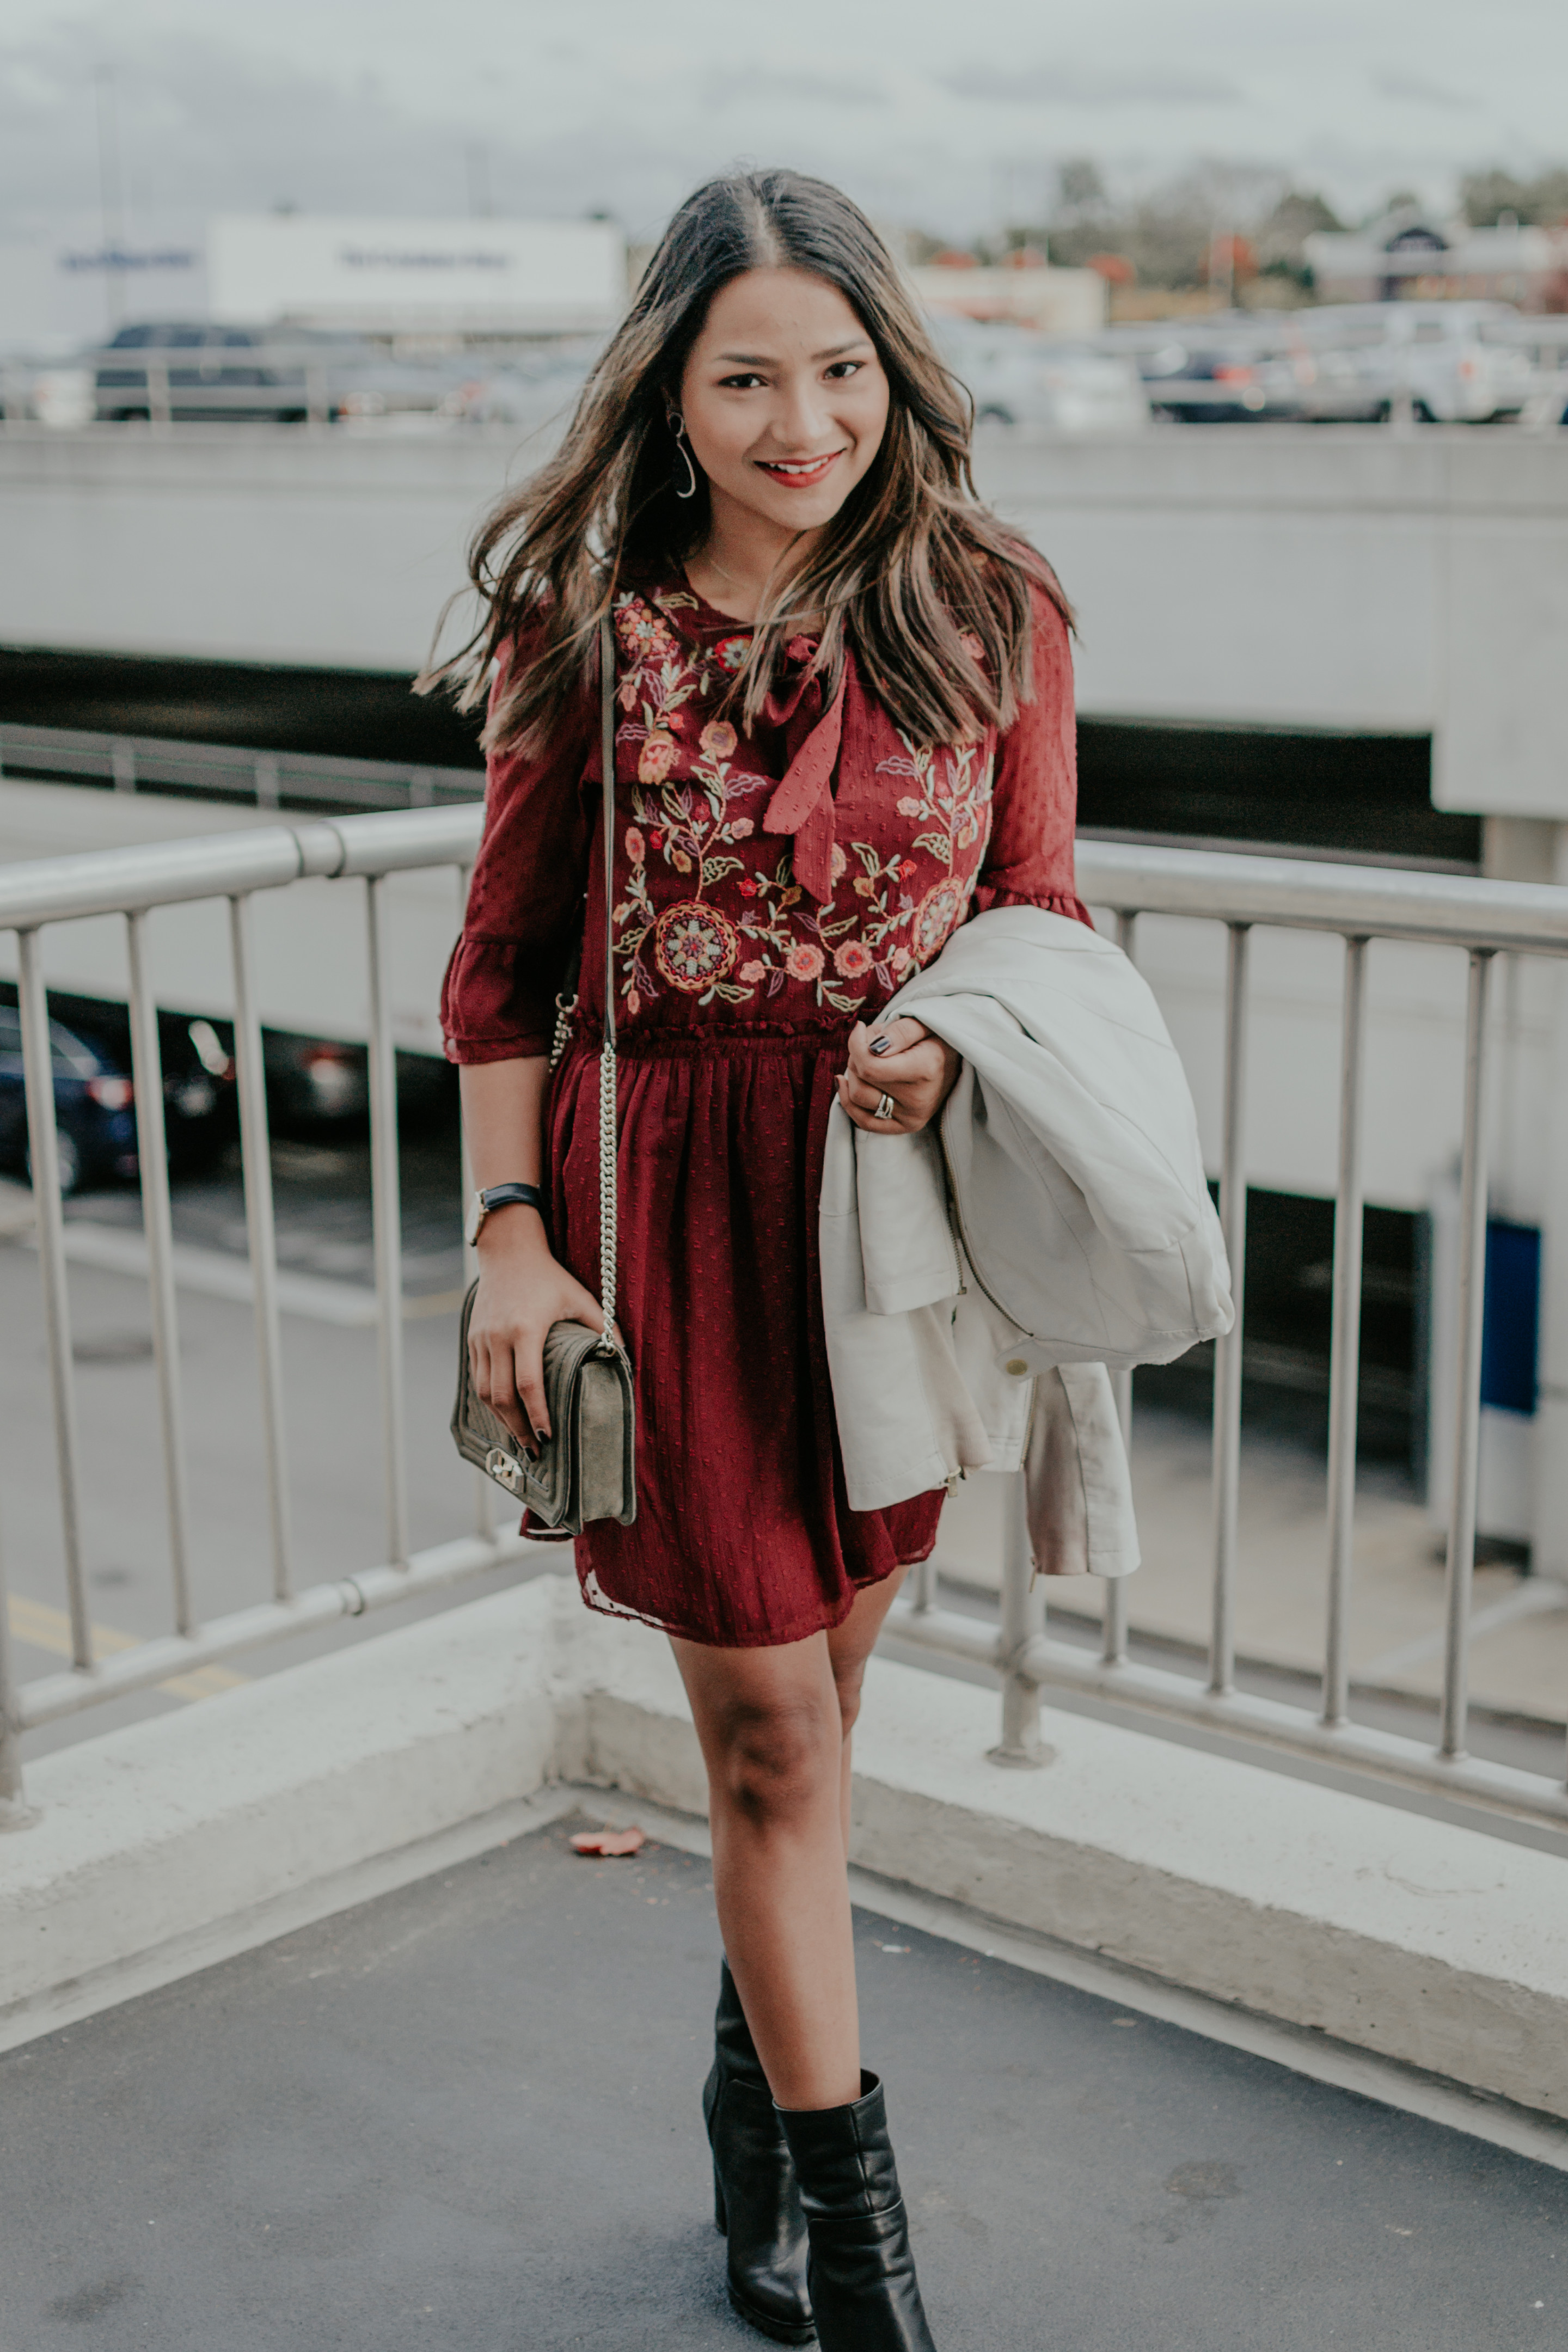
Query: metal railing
(1361, 904)
(133, 883)
(1477, 918)
(265, 780)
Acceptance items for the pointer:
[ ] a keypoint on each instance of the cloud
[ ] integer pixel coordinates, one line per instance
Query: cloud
(794, 88)
(1080, 86)
(1413, 91)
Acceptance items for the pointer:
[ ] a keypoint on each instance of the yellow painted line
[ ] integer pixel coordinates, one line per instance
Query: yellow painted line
(43, 1628)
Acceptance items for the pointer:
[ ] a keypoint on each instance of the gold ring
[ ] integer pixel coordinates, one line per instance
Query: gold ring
(885, 1106)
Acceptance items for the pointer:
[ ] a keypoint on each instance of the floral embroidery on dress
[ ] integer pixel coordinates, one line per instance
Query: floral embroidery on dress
(695, 811)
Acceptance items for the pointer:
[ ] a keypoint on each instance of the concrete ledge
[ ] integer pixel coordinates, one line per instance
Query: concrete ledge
(153, 1838)
(158, 1848)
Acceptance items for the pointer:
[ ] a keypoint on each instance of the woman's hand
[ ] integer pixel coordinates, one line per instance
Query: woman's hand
(522, 1291)
(914, 1069)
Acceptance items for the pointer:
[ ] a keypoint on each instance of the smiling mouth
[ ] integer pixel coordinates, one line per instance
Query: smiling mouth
(799, 473)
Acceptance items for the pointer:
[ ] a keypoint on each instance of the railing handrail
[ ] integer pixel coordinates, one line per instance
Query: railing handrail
(224, 864)
(1297, 893)
(73, 751)
(1381, 902)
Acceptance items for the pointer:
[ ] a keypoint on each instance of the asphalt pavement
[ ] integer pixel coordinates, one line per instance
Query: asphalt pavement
(465, 2118)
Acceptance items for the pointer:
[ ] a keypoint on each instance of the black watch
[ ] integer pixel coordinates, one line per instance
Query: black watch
(500, 1196)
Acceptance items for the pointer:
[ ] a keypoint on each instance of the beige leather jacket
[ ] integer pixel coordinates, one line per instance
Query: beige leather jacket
(979, 1279)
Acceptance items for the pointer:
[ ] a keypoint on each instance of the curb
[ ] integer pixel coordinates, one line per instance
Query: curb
(158, 1850)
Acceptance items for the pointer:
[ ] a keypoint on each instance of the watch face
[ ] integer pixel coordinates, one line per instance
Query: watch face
(476, 1219)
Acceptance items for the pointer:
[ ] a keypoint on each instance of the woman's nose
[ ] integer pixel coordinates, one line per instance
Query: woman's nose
(803, 417)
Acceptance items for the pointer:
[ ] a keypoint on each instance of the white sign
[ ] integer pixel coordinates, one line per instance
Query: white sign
(392, 275)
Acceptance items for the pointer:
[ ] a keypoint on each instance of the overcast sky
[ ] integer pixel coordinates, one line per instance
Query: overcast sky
(948, 114)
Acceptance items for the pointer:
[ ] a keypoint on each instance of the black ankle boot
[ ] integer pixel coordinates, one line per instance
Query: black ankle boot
(862, 2275)
(755, 2200)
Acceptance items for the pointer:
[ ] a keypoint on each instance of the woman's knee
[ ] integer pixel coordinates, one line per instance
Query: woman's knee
(779, 1760)
(849, 1686)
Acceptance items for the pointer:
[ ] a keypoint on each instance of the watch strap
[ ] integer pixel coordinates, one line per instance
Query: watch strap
(503, 1196)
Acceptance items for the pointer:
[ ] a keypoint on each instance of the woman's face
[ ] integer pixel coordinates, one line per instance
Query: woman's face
(784, 400)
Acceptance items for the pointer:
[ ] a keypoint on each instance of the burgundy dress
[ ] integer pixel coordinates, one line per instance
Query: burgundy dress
(770, 889)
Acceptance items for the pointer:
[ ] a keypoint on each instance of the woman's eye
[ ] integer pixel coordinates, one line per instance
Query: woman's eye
(739, 383)
(844, 369)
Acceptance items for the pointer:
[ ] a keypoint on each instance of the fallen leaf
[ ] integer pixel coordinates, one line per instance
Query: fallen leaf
(608, 1842)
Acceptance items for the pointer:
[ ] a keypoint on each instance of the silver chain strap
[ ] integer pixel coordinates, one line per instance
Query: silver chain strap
(609, 1202)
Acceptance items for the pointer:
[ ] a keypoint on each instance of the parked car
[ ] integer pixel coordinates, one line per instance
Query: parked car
(1453, 363)
(529, 390)
(1017, 377)
(237, 373)
(95, 1096)
(213, 375)
(1201, 379)
(325, 1082)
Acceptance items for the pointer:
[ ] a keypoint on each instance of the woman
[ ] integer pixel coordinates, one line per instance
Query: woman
(843, 722)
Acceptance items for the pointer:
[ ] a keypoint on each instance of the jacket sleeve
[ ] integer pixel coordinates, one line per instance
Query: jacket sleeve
(1033, 807)
(525, 902)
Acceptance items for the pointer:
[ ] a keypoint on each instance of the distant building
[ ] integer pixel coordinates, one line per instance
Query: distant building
(1028, 292)
(55, 297)
(1411, 255)
(416, 276)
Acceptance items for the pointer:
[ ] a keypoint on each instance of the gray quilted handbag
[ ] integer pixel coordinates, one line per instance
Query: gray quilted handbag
(587, 1470)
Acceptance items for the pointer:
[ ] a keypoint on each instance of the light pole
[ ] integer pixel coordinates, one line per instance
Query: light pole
(109, 194)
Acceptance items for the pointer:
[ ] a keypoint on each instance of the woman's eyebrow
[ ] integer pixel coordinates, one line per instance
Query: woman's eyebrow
(766, 358)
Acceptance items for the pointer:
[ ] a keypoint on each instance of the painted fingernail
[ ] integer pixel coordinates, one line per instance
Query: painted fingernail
(881, 1045)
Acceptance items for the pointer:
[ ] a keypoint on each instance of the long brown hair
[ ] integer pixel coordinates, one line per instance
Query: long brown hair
(911, 564)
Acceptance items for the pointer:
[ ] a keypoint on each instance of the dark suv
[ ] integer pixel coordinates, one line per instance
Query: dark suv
(95, 1113)
(248, 373)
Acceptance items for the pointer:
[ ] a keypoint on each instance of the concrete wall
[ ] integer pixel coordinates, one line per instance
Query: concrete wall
(1347, 578)
(1344, 577)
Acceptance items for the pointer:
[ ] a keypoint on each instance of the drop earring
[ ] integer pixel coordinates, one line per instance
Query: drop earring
(678, 426)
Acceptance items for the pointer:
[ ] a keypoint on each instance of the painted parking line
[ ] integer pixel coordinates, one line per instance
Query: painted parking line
(43, 1628)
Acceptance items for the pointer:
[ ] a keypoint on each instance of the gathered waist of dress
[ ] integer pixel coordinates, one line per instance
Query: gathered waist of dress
(641, 1041)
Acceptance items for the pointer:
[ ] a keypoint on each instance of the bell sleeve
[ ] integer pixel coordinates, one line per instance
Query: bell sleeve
(1033, 804)
(525, 910)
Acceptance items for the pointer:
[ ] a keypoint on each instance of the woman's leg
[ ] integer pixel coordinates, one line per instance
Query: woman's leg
(849, 1646)
(775, 1728)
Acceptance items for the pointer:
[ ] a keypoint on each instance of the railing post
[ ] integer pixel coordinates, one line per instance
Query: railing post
(1113, 1630)
(1227, 1351)
(1344, 1347)
(153, 1156)
(386, 1213)
(1467, 1398)
(256, 1162)
(159, 406)
(1023, 1621)
(43, 1142)
(13, 1811)
(484, 1488)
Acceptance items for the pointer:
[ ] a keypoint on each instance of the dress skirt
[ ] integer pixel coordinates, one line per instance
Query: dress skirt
(744, 1536)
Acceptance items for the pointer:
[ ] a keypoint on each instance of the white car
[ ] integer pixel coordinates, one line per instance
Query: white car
(1454, 363)
(1018, 377)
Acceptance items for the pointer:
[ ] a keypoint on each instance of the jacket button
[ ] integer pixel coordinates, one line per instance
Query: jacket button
(1017, 1367)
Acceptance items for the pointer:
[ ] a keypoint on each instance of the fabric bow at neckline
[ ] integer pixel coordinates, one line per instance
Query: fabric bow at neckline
(803, 802)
